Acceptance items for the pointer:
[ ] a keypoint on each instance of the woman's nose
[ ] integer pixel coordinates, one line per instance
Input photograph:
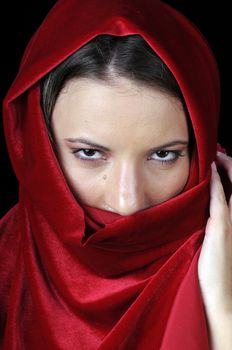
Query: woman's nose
(125, 192)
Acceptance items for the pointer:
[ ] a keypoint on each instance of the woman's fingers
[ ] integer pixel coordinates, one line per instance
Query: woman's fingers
(225, 163)
(218, 203)
(215, 262)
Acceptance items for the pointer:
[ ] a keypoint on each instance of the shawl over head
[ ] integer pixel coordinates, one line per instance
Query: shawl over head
(133, 283)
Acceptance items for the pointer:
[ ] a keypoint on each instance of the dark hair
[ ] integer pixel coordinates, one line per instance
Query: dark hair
(104, 58)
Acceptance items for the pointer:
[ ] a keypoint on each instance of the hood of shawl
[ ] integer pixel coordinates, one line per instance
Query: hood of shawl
(68, 26)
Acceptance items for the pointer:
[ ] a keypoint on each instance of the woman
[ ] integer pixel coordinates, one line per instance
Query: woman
(104, 249)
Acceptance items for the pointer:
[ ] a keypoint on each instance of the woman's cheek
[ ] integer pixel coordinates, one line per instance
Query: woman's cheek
(168, 183)
(85, 184)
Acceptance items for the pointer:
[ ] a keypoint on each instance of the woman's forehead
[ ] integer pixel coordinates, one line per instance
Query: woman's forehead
(100, 112)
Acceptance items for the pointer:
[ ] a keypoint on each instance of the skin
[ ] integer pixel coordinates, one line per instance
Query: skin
(215, 262)
(126, 180)
(129, 176)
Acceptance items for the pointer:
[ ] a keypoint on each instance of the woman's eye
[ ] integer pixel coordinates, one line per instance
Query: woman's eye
(88, 154)
(165, 156)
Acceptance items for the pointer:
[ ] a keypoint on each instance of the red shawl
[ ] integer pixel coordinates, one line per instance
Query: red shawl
(132, 283)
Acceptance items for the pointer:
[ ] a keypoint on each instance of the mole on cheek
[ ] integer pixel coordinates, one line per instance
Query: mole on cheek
(104, 177)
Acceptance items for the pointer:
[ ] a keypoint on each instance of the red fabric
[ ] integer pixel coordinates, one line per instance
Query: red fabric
(130, 283)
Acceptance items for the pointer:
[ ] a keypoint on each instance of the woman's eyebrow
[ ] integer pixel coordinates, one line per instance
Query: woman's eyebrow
(87, 142)
(170, 144)
(93, 144)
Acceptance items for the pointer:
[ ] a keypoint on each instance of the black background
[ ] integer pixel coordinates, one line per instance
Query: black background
(20, 20)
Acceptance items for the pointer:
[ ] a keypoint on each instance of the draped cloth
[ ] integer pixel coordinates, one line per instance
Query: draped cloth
(74, 277)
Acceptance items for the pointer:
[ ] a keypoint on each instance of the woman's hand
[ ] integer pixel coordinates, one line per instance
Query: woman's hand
(215, 261)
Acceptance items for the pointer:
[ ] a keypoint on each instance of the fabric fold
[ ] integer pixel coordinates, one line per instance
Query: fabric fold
(78, 277)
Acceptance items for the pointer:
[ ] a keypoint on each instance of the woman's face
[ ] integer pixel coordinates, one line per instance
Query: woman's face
(122, 148)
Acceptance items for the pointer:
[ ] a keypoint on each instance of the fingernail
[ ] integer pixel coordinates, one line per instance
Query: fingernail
(222, 155)
(213, 166)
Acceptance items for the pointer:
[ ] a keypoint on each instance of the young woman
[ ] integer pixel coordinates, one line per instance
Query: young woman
(122, 237)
